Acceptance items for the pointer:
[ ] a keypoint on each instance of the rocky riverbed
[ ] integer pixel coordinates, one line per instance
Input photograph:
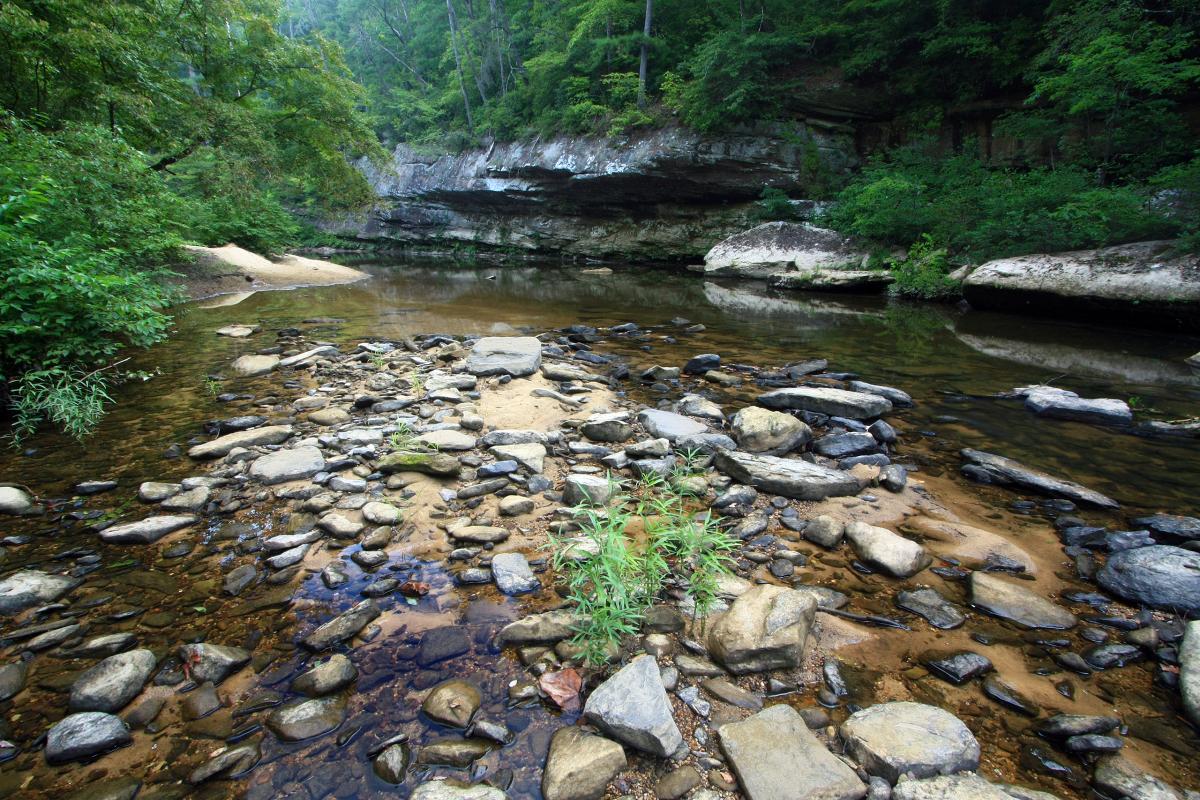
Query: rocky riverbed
(345, 588)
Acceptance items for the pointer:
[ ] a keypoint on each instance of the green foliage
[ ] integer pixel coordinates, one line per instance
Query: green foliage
(924, 273)
(613, 577)
(774, 205)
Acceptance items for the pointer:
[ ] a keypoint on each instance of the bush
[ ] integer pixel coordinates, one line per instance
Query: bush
(774, 205)
(924, 274)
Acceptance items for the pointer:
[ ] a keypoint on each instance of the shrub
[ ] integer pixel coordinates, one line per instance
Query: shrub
(924, 273)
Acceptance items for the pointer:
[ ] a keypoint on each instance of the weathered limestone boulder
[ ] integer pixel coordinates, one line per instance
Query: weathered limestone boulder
(890, 552)
(287, 465)
(789, 477)
(777, 757)
(827, 400)
(632, 707)
(580, 765)
(1146, 282)
(254, 437)
(765, 628)
(147, 530)
(1159, 576)
(759, 430)
(452, 703)
(892, 739)
(1010, 600)
(31, 587)
(111, 684)
(991, 468)
(14, 501)
(862, 281)
(517, 356)
(775, 247)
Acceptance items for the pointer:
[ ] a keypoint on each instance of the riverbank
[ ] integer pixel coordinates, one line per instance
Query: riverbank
(264, 536)
(230, 269)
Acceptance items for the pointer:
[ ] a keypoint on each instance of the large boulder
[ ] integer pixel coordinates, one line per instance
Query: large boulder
(31, 587)
(517, 356)
(112, 683)
(1010, 600)
(775, 247)
(580, 765)
(1159, 576)
(892, 739)
(632, 707)
(288, 465)
(890, 552)
(991, 468)
(759, 430)
(766, 628)
(776, 757)
(827, 400)
(789, 477)
(1149, 282)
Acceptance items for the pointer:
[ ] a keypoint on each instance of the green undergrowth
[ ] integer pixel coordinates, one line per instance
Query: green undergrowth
(627, 553)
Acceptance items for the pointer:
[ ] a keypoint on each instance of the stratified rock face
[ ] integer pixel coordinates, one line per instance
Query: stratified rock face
(781, 247)
(776, 757)
(892, 739)
(573, 195)
(632, 707)
(765, 629)
(1146, 281)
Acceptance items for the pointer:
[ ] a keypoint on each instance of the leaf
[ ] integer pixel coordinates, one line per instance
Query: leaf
(414, 588)
(200, 609)
(563, 688)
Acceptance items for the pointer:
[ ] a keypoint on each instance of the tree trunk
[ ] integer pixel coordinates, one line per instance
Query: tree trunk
(462, 83)
(643, 67)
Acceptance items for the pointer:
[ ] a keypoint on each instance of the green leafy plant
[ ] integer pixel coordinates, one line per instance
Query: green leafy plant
(212, 386)
(924, 274)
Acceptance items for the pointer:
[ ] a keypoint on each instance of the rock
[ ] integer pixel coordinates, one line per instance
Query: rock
(766, 628)
(824, 530)
(308, 355)
(892, 739)
(440, 644)
(958, 668)
(788, 477)
(545, 628)
(12, 678)
(928, 603)
(329, 416)
(101, 646)
(669, 425)
(147, 530)
(1159, 576)
(776, 757)
(228, 763)
(759, 430)
(952, 787)
(14, 501)
(452, 790)
(255, 437)
(190, 500)
(288, 558)
(480, 534)
(342, 627)
(250, 365)
(822, 400)
(331, 675)
(698, 365)
(530, 455)
(1146, 282)
(846, 445)
(590, 490)
(212, 662)
(610, 428)
(512, 574)
(1117, 776)
(1009, 697)
(391, 764)
(515, 506)
(116, 789)
(1046, 401)
(306, 719)
(30, 587)
(677, 783)
(1009, 600)
(862, 281)
(381, 513)
(1004, 471)
(453, 752)
(632, 707)
(1064, 726)
(732, 694)
(694, 405)
(1189, 670)
(438, 464)
(287, 465)
(111, 684)
(782, 247)
(1171, 528)
(579, 765)
(517, 356)
(890, 552)
(448, 440)
(81, 736)
(895, 396)
(452, 703)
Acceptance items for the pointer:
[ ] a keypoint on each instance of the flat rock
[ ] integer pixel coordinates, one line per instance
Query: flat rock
(437, 464)
(31, 587)
(512, 574)
(517, 356)
(824, 400)
(251, 365)
(452, 703)
(306, 719)
(1046, 401)
(579, 765)
(888, 551)
(760, 430)
(81, 736)
(929, 603)
(147, 530)
(892, 739)
(332, 675)
(968, 786)
(254, 437)
(1004, 471)
(479, 534)
(378, 513)
(111, 684)
(545, 628)
(766, 628)
(1159, 576)
(632, 707)
(452, 790)
(1117, 776)
(669, 425)
(788, 477)
(342, 627)
(212, 662)
(777, 757)
(287, 465)
(448, 440)
(1010, 600)
(531, 455)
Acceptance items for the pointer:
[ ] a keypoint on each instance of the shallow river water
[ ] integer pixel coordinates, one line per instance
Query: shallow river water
(952, 362)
